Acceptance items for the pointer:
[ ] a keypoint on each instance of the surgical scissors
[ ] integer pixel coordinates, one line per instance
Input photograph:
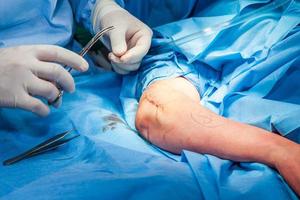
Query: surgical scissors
(82, 53)
(50, 144)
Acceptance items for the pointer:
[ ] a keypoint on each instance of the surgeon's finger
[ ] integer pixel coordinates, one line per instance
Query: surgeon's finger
(118, 41)
(61, 55)
(33, 104)
(114, 58)
(46, 89)
(126, 66)
(55, 73)
(118, 69)
(138, 51)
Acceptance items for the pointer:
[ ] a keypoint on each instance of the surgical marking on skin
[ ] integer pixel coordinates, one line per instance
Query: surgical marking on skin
(159, 107)
(205, 121)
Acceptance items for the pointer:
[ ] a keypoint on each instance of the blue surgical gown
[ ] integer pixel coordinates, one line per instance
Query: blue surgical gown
(43, 22)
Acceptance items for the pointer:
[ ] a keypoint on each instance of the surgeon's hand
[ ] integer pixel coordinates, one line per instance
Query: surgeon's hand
(30, 71)
(129, 41)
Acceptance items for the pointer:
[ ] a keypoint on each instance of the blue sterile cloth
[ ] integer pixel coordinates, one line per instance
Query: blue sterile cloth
(110, 161)
(245, 71)
(254, 63)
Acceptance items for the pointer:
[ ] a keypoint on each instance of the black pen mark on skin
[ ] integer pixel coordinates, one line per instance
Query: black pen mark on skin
(205, 120)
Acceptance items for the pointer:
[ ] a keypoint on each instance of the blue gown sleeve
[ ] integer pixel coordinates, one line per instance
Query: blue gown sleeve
(82, 10)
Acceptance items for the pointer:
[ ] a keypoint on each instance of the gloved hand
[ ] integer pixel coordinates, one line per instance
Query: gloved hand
(29, 71)
(129, 41)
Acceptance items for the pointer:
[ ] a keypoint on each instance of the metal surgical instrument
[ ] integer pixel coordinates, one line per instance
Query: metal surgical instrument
(50, 144)
(82, 53)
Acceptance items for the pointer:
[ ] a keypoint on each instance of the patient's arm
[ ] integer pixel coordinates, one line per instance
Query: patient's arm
(171, 117)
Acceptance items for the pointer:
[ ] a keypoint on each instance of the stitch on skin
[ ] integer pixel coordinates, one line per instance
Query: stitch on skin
(159, 108)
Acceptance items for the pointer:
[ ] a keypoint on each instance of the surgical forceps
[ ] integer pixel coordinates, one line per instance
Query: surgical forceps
(82, 53)
(50, 144)
(62, 138)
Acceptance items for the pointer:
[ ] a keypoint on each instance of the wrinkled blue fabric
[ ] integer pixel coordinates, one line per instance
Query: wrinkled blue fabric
(246, 71)
(110, 160)
(255, 63)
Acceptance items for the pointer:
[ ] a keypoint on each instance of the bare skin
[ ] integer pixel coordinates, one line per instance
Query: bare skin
(171, 117)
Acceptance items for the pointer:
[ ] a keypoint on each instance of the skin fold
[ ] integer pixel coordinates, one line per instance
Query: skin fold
(170, 116)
